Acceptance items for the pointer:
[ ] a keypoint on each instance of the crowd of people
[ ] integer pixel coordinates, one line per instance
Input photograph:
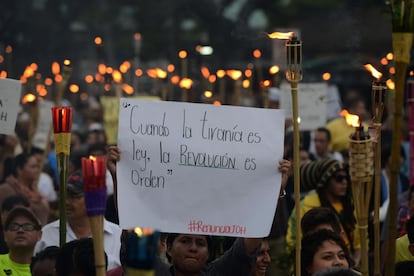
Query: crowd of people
(330, 242)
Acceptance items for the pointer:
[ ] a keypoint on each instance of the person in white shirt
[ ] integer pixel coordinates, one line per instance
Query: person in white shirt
(78, 225)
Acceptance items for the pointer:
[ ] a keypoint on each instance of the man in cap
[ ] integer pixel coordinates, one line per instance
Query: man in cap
(78, 224)
(22, 229)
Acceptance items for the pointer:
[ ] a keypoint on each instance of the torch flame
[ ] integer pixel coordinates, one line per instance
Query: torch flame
(143, 231)
(280, 35)
(351, 119)
(374, 72)
(91, 157)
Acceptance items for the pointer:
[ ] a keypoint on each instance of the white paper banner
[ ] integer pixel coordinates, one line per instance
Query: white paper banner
(312, 103)
(197, 168)
(44, 123)
(10, 91)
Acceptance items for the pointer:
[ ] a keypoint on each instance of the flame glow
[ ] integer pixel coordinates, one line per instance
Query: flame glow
(143, 231)
(374, 72)
(280, 35)
(351, 119)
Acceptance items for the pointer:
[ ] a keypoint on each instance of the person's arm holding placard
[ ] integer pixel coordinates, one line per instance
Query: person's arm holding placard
(250, 246)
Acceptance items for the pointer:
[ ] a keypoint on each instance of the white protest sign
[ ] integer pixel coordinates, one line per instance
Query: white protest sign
(44, 123)
(10, 91)
(198, 168)
(312, 103)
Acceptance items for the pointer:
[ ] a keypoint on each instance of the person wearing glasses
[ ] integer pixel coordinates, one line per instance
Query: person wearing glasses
(22, 230)
(332, 190)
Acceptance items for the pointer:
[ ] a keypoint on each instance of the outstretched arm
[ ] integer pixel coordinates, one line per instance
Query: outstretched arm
(113, 156)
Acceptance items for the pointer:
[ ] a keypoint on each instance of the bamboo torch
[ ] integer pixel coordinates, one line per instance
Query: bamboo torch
(377, 98)
(361, 163)
(141, 252)
(62, 125)
(410, 112)
(402, 40)
(294, 76)
(93, 173)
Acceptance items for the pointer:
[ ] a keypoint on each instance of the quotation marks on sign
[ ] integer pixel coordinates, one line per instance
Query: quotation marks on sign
(125, 104)
(169, 171)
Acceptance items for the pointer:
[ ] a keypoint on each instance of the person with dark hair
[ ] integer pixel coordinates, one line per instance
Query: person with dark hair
(322, 142)
(323, 249)
(8, 204)
(320, 218)
(263, 259)
(43, 263)
(333, 191)
(189, 253)
(22, 229)
(23, 182)
(76, 257)
(404, 246)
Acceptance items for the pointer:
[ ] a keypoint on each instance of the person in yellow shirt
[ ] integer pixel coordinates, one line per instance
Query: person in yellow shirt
(340, 130)
(22, 229)
(331, 179)
(404, 246)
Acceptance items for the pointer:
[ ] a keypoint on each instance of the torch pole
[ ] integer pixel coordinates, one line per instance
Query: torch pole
(402, 43)
(296, 143)
(377, 193)
(294, 75)
(378, 95)
(62, 124)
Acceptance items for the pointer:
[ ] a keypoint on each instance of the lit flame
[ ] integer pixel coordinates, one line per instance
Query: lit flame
(117, 76)
(246, 83)
(28, 98)
(152, 73)
(280, 35)
(208, 94)
(257, 53)
(274, 69)
(351, 119)
(128, 89)
(88, 78)
(143, 231)
(374, 72)
(234, 74)
(93, 158)
(161, 73)
(74, 88)
(186, 83)
(55, 68)
(205, 72)
(98, 40)
(221, 73)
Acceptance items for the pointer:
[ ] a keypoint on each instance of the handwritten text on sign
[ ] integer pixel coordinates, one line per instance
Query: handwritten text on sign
(196, 168)
(10, 91)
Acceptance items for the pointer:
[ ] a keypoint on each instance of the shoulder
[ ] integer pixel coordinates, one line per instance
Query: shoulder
(111, 228)
(312, 199)
(52, 226)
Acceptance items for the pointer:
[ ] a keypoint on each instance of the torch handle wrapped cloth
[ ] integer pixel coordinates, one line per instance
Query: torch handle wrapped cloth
(95, 202)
